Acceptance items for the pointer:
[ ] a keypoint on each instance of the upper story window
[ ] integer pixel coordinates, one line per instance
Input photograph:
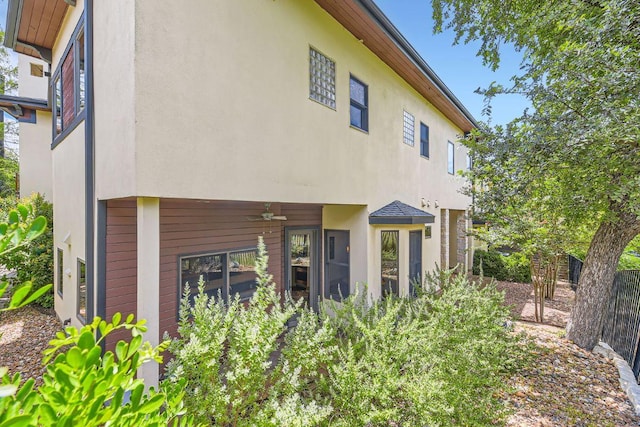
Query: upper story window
(322, 78)
(359, 94)
(69, 84)
(408, 128)
(424, 140)
(469, 162)
(451, 151)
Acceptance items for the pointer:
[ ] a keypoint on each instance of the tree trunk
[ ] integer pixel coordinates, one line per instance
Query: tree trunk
(596, 278)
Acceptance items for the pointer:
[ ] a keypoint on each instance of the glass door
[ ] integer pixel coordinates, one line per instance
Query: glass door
(301, 265)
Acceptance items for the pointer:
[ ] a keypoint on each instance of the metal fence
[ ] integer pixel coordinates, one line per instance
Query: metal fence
(621, 328)
(575, 267)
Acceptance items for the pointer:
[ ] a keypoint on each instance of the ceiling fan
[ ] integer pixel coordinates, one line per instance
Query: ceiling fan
(267, 216)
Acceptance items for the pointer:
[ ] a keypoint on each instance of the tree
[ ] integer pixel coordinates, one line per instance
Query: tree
(8, 84)
(580, 72)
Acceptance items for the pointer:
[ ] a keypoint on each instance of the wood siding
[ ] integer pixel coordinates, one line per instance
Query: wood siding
(68, 90)
(121, 263)
(193, 227)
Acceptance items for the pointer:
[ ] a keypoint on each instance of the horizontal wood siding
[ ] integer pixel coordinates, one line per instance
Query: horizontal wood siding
(121, 263)
(192, 227)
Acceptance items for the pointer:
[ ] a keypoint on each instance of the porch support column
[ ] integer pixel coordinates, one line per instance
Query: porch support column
(149, 280)
(444, 239)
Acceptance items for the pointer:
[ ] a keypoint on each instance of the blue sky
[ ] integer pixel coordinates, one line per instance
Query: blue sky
(458, 66)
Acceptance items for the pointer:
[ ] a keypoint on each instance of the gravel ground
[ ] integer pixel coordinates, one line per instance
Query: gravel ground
(564, 386)
(24, 334)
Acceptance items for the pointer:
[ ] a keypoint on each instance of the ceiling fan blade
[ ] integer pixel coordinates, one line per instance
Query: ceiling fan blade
(279, 217)
(255, 218)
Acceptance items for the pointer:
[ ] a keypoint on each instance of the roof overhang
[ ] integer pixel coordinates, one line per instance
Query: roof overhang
(33, 26)
(365, 20)
(23, 109)
(398, 213)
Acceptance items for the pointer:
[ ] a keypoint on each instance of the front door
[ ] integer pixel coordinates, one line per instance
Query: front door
(301, 265)
(415, 260)
(337, 270)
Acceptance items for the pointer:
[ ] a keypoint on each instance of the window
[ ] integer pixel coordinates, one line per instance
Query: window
(69, 84)
(60, 278)
(36, 70)
(424, 140)
(408, 128)
(82, 291)
(224, 274)
(358, 92)
(389, 263)
(322, 79)
(427, 231)
(469, 162)
(450, 157)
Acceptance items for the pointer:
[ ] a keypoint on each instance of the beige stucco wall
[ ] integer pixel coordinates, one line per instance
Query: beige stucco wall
(35, 138)
(222, 110)
(115, 144)
(68, 174)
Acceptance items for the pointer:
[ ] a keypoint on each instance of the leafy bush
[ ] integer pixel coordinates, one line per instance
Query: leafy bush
(514, 267)
(437, 359)
(83, 387)
(241, 366)
(34, 261)
(432, 360)
(629, 261)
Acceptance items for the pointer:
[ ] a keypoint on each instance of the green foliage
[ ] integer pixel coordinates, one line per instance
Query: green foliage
(513, 267)
(435, 360)
(629, 262)
(241, 366)
(83, 387)
(432, 360)
(33, 261)
(19, 231)
(8, 172)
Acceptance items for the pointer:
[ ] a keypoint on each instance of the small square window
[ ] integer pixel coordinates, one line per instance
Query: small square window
(37, 70)
(451, 150)
(427, 231)
(424, 140)
(408, 128)
(359, 95)
(82, 291)
(322, 79)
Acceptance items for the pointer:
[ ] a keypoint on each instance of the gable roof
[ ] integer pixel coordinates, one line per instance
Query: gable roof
(397, 212)
(365, 20)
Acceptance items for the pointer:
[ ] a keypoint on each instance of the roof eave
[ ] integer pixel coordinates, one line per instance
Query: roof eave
(401, 220)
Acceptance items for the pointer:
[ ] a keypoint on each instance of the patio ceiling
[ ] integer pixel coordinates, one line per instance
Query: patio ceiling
(33, 25)
(367, 23)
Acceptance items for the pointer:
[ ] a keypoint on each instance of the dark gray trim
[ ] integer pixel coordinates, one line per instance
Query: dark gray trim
(394, 35)
(391, 220)
(24, 102)
(101, 258)
(14, 10)
(74, 124)
(89, 160)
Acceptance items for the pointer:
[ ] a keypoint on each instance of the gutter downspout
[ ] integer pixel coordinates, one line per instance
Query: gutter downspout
(89, 162)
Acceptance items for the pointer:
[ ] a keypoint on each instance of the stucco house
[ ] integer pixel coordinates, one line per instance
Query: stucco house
(176, 133)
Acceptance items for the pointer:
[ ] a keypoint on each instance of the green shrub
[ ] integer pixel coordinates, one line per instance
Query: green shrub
(34, 261)
(513, 267)
(83, 387)
(629, 262)
(434, 360)
(242, 367)
(437, 359)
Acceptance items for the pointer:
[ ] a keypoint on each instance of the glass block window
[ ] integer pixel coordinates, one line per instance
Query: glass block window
(408, 128)
(359, 99)
(424, 140)
(322, 78)
(451, 151)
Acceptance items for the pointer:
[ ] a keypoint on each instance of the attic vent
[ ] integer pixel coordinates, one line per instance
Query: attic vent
(37, 70)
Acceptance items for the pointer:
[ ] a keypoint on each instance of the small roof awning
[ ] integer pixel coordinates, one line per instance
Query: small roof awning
(23, 109)
(397, 212)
